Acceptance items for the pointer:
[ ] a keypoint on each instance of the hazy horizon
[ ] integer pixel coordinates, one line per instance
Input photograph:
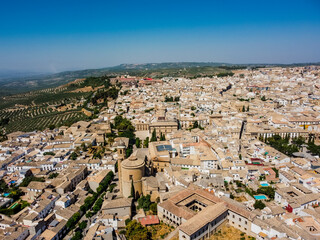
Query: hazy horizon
(75, 35)
(26, 73)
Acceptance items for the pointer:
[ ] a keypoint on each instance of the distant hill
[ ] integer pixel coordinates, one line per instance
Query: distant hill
(168, 65)
(8, 74)
(30, 82)
(156, 66)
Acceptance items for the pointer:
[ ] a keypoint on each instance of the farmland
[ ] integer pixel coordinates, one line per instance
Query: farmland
(38, 118)
(52, 107)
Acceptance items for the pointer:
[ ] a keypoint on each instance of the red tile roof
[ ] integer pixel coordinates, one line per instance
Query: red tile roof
(149, 220)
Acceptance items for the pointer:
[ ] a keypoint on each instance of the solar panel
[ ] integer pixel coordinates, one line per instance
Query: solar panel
(161, 148)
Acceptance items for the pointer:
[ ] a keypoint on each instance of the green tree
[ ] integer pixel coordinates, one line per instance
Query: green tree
(111, 187)
(276, 171)
(153, 208)
(77, 150)
(195, 124)
(162, 137)
(154, 136)
(73, 220)
(73, 156)
(77, 236)
(124, 127)
(52, 126)
(282, 144)
(269, 191)
(313, 148)
(299, 141)
(84, 147)
(144, 202)
(243, 109)
(53, 175)
(49, 153)
(4, 121)
(3, 186)
(129, 151)
(146, 142)
(97, 206)
(132, 190)
(135, 231)
(15, 194)
(3, 136)
(127, 221)
(25, 182)
(168, 99)
(138, 142)
(225, 74)
(89, 214)
(259, 205)
(83, 225)
(262, 177)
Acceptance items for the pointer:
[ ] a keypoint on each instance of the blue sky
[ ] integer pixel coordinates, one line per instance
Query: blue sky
(53, 36)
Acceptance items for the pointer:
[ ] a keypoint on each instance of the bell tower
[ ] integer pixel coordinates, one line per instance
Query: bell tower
(121, 152)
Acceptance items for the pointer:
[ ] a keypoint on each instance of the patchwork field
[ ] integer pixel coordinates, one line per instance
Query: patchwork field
(36, 118)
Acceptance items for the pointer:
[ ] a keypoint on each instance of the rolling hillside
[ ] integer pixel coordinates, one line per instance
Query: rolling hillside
(10, 86)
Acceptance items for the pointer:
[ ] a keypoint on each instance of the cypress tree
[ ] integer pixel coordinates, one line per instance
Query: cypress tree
(132, 190)
(195, 124)
(154, 136)
(162, 137)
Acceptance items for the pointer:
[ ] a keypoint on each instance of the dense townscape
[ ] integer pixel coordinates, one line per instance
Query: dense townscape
(236, 153)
